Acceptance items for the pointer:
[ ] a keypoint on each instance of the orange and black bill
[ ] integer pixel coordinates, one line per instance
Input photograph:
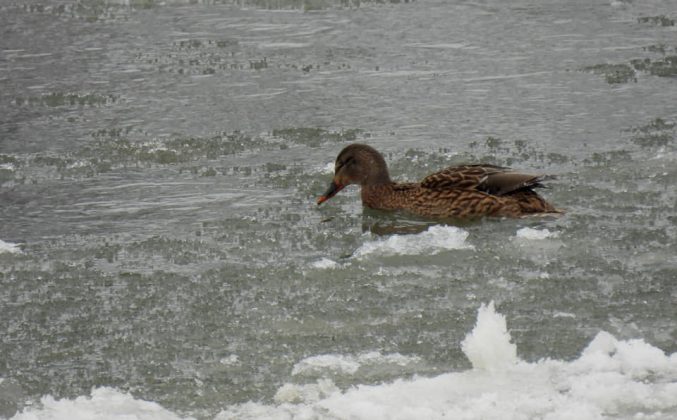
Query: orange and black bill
(331, 191)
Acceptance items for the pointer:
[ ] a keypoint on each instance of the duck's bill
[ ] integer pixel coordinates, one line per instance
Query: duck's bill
(331, 191)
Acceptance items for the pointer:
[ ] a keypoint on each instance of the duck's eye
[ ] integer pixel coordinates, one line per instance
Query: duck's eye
(341, 164)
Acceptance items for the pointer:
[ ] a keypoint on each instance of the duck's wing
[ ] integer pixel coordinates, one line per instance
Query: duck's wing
(490, 179)
(468, 177)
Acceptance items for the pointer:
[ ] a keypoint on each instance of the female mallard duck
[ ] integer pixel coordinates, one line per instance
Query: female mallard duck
(461, 192)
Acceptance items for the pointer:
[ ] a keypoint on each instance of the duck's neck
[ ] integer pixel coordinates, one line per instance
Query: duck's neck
(379, 196)
(379, 176)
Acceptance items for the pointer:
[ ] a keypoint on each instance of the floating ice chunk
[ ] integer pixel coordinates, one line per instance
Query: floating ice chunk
(603, 344)
(349, 364)
(328, 168)
(611, 379)
(432, 241)
(77, 164)
(104, 404)
(488, 345)
(530, 233)
(324, 263)
(331, 362)
(635, 358)
(8, 247)
(230, 360)
(281, 45)
(291, 393)
(377, 358)
(620, 379)
(639, 359)
(560, 314)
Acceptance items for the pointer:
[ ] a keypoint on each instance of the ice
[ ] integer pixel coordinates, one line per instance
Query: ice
(335, 362)
(104, 404)
(291, 393)
(611, 379)
(324, 263)
(231, 360)
(349, 364)
(8, 247)
(327, 168)
(488, 346)
(432, 241)
(535, 234)
(620, 379)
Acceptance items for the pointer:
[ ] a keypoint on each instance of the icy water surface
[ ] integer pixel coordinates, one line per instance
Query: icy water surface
(161, 254)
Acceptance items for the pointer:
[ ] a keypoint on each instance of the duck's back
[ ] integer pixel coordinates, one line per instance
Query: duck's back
(468, 191)
(490, 179)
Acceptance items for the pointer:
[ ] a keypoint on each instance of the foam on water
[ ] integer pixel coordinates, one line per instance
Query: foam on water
(488, 346)
(8, 247)
(231, 360)
(328, 168)
(324, 263)
(432, 241)
(103, 404)
(531, 233)
(294, 394)
(611, 378)
(323, 362)
(349, 364)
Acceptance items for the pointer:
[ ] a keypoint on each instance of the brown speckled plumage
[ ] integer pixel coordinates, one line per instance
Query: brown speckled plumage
(463, 192)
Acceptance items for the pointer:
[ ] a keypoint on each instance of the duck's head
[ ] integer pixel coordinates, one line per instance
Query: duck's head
(357, 164)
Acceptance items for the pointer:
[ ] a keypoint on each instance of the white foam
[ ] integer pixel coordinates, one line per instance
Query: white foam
(349, 364)
(324, 263)
(104, 404)
(281, 45)
(292, 393)
(444, 45)
(231, 360)
(78, 164)
(620, 379)
(488, 345)
(432, 241)
(328, 168)
(535, 234)
(8, 247)
(611, 379)
(333, 362)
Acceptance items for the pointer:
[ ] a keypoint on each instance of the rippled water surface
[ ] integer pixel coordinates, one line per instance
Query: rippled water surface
(160, 160)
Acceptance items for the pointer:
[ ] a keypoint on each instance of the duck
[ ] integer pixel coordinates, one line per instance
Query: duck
(459, 192)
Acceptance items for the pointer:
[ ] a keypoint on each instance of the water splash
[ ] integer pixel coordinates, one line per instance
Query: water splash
(488, 345)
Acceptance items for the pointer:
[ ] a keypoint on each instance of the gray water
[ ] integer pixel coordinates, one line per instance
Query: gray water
(159, 163)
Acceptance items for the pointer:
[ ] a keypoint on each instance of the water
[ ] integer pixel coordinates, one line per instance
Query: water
(162, 255)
